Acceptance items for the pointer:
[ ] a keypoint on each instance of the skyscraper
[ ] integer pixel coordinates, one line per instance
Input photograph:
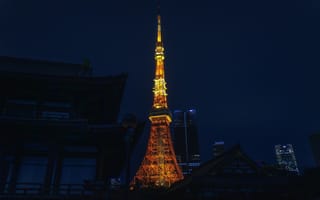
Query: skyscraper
(159, 167)
(185, 140)
(286, 158)
(315, 147)
(217, 148)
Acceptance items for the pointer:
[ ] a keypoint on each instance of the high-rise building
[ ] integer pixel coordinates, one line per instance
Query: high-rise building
(286, 157)
(185, 140)
(315, 147)
(159, 167)
(217, 148)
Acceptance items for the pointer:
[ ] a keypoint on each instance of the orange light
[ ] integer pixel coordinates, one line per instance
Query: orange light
(159, 168)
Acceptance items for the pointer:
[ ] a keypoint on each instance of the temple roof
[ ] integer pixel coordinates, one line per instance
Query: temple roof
(33, 66)
(233, 164)
(96, 99)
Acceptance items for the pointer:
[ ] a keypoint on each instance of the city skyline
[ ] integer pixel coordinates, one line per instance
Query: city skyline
(249, 68)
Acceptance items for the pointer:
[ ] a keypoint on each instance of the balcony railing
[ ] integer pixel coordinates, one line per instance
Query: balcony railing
(37, 190)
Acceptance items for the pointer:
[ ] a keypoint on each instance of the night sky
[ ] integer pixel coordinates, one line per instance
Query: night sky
(250, 68)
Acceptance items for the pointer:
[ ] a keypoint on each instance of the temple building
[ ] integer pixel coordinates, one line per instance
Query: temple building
(61, 136)
(234, 175)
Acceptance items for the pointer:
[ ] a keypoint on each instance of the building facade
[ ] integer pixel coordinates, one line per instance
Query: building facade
(185, 140)
(286, 158)
(314, 140)
(60, 132)
(217, 148)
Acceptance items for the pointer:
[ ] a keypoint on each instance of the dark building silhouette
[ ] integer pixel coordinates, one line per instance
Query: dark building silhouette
(185, 139)
(315, 147)
(60, 133)
(234, 175)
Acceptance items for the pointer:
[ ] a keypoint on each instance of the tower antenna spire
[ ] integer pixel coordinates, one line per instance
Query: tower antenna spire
(159, 37)
(158, 7)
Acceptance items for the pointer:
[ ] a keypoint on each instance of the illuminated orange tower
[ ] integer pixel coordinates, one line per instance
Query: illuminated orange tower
(159, 167)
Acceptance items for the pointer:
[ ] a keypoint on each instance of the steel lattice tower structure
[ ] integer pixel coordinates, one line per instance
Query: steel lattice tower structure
(159, 167)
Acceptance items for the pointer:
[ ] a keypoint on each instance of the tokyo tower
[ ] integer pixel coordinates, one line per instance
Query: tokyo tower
(159, 167)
